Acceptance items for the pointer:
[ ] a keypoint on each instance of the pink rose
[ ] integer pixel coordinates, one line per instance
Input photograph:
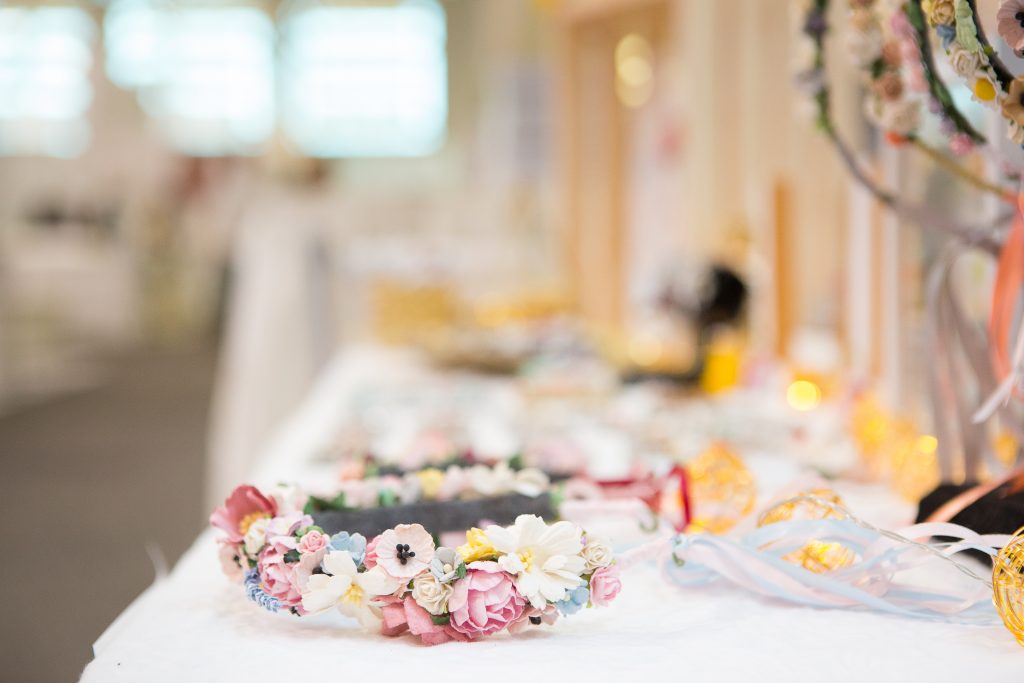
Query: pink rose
(286, 580)
(605, 585)
(484, 602)
(313, 541)
(245, 505)
(400, 616)
(370, 559)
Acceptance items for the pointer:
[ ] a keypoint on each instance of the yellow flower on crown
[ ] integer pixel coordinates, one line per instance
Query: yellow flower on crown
(477, 547)
(431, 481)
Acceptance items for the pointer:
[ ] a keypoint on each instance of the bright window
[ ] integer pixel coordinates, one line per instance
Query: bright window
(206, 74)
(45, 93)
(365, 81)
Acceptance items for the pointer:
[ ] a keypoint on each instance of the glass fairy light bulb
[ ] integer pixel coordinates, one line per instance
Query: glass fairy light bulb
(815, 556)
(1008, 585)
(722, 488)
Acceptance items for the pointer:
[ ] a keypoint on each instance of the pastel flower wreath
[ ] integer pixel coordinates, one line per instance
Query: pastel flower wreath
(956, 24)
(504, 578)
(906, 58)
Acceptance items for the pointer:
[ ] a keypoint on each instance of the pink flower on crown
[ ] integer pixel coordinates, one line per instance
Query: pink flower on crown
(534, 617)
(605, 585)
(230, 556)
(370, 557)
(244, 506)
(961, 144)
(1010, 24)
(405, 551)
(312, 541)
(400, 615)
(486, 601)
(281, 578)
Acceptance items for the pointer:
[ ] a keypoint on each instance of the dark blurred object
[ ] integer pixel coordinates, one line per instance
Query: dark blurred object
(52, 214)
(998, 511)
(723, 298)
(720, 302)
(437, 518)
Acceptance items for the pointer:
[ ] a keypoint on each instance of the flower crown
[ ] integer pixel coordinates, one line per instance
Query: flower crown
(502, 578)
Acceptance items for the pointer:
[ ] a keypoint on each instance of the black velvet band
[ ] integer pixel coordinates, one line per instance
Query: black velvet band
(436, 517)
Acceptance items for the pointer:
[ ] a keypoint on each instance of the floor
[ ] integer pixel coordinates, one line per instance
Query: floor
(88, 483)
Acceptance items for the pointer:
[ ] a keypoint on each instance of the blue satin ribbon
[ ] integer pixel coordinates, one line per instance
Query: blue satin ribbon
(754, 561)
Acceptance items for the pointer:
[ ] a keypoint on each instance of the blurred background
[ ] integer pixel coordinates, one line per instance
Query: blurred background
(201, 201)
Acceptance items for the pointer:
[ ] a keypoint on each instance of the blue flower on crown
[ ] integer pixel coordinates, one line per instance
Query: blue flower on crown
(355, 544)
(574, 601)
(946, 34)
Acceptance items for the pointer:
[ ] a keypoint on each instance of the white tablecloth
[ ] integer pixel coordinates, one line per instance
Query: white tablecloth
(194, 625)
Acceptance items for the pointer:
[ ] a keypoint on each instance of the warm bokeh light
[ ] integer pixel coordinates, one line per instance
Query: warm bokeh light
(926, 443)
(644, 352)
(634, 70)
(803, 395)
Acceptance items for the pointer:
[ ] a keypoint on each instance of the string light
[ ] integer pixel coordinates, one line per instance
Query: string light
(1008, 585)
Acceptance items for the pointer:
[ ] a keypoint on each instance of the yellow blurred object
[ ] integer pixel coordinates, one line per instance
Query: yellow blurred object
(646, 352)
(815, 556)
(1005, 447)
(914, 466)
(892, 448)
(872, 429)
(634, 70)
(721, 364)
(404, 313)
(526, 306)
(722, 488)
(1008, 585)
(803, 395)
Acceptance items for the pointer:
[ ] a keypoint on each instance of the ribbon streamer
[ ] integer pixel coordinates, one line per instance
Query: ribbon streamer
(754, 562)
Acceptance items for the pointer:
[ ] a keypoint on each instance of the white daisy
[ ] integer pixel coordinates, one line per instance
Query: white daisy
(347, 589)
(544, 559)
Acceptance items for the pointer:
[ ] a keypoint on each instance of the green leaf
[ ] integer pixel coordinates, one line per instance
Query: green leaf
(316, 504)
(440, 619)
(387, 498)
(460, 571)
(516, 462)
(291, 557)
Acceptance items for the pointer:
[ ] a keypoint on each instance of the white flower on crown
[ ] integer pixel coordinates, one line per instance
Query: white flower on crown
(256, 536)
(1015, 133)
(865, 46)
(531, 482)
(456, 482)
(344, 587)
(597, 554)
(431, 594)
(289, 498)
(544, 559)
(901, 117)
(964, 62)
(492, 481)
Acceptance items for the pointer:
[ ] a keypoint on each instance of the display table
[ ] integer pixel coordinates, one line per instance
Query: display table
(194, 625)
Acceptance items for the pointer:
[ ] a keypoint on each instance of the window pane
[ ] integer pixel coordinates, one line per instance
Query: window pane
(45, 93)
(205, 73)
(365, 81)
